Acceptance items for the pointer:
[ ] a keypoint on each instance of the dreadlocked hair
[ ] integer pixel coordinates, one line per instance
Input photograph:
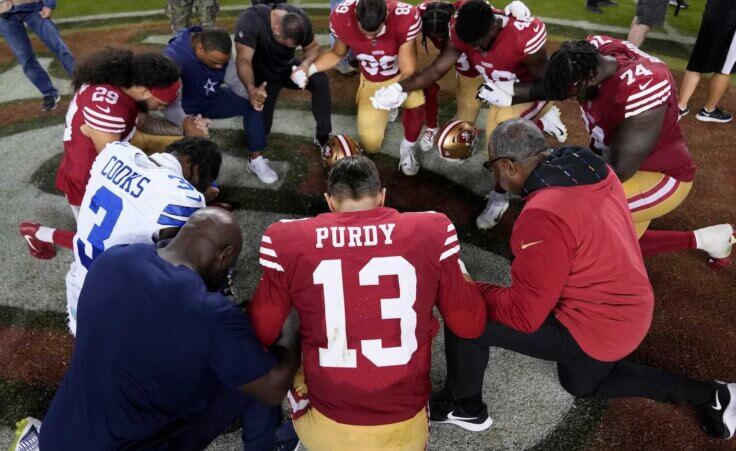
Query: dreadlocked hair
(123, 68)
(436, 20)
(574, 62)
(202, 152)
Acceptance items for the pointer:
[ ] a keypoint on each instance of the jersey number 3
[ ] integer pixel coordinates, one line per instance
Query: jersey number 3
(337, 354)
(113, 205)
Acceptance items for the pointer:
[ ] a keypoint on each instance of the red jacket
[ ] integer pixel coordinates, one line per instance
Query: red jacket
(577, 256)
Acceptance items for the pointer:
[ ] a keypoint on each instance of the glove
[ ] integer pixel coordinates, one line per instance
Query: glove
(518, 9)
(499, 93)
(390, 97)
(299, 77)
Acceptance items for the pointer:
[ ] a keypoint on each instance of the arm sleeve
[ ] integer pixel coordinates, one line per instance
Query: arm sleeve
(334, 24)
(235, 355)
(543, 248)
(648, 89)
(246, 30)
(414, 24)
(183, 203)
(534, 37)
(102, 115)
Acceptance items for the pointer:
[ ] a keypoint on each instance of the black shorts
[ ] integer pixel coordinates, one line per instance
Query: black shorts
(651, 12)
(714, 50)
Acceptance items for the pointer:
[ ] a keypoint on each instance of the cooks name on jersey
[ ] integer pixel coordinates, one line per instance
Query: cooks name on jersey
(354, 236)
(124, 177)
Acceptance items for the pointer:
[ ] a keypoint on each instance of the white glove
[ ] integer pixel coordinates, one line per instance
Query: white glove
(518, 9)
(498, 93)
(299, 77)
(390, 97)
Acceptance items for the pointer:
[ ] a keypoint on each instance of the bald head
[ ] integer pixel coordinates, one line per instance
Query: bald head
(209, 243)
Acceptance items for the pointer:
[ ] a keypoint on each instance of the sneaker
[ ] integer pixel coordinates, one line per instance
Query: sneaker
(39, 249)
(682, 113)
(552, 124)
(345, 69)
(450, 412)
(259, 166)
(408, 162)
(717, 241)
(683, 4)
(286, 438)
(593, 9)
(393, 114)
(26, 435)
(497, 205)
(426, 142)
(718, 419)
(50, 102)
(717, 115)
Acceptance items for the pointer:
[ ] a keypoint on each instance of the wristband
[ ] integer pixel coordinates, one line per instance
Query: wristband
(312, 70)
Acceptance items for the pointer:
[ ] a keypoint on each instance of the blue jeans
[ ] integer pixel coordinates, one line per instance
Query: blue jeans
(227, 104)
(12, 28)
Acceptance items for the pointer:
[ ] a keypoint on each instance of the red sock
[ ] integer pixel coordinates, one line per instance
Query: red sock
(431, 104)
(539, 124)
(498, 189)
(655, 242)
(413, 120)
(63, 238)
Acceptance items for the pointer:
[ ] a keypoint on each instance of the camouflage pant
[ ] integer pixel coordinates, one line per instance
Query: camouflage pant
(182, 11)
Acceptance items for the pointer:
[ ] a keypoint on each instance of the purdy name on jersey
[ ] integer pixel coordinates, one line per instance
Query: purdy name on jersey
(379, 56)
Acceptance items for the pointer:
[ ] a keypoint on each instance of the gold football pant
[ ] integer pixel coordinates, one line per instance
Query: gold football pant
(468, 105)
(652, 195)
(372, 122)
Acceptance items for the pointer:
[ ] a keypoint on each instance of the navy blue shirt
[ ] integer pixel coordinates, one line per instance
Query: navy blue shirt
(152, 348)
(199, 83)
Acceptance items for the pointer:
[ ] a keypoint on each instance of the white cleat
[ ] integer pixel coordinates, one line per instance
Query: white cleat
(717, 241)
(408, 162)
(259, 166)
(497, 205)
(552, 124)
(426, 142)
(393, 114)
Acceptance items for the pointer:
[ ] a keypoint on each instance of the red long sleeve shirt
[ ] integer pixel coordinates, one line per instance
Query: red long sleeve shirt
(577, 256)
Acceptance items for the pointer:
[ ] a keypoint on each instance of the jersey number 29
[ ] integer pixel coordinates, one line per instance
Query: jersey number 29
(337, 354)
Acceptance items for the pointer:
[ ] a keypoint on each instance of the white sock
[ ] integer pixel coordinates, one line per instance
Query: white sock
(45, 234)
(407, 144)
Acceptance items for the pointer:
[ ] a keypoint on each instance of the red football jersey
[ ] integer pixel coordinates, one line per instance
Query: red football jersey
(640, 83)
(365, 284)
(462, 66)
(505, 59)
(102, 107)
(379, 57)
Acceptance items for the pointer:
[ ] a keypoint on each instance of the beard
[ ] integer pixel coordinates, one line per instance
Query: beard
(142, 106)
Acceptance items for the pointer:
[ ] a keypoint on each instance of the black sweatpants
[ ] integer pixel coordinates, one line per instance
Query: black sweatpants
(319, 87)
(579, 374)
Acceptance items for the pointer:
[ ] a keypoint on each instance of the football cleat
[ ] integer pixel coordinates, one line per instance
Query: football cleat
(718, 418)
(497, 205)
(26, 435)
(408, 159)
(337, 148)
(552, 124)
(457, 140)
(259, 166)
(717, 241)
(451, 412)
(39, 249)
(426, 142)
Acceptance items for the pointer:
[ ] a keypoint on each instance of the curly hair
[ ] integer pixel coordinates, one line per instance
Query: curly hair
(436, 20)
(574, 62)
(123, 68)
(202, 152)
(474, 20)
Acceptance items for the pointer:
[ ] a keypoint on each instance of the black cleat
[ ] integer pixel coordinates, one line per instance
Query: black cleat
(718, 418)
(444, 410)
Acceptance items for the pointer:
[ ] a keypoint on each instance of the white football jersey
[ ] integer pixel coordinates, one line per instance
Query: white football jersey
(129, 198)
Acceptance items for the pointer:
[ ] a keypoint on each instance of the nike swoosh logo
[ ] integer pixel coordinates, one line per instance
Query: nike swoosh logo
(497, 217)
(718, 403)
(524, 246)
(104, 110)
(28, 239)
(451, 416)
(195, 199)
(644, 86)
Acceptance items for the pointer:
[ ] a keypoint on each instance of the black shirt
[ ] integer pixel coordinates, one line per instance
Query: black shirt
(271, 60)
